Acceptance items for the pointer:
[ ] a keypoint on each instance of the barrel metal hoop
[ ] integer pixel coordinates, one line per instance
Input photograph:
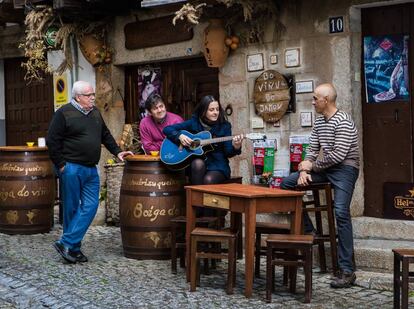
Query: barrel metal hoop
(25, 207)
(29, 159)
(152, 194)
(31, 226)
(144, 172)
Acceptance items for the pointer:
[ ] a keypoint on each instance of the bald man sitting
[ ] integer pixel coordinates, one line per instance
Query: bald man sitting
(334, 135)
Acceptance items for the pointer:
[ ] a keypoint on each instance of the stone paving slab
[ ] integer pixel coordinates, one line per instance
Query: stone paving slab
(32, 275)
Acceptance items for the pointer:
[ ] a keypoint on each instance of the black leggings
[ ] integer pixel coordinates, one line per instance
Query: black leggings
(199, 175)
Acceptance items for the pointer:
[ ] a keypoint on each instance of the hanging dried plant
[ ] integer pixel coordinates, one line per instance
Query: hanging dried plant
(63, 37)
(35, 49)
(36, 22)
(245, 18)
(192, 13)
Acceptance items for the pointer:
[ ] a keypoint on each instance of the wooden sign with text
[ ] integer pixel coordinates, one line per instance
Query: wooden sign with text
(155, 32)
(399, 200)
(271, 95)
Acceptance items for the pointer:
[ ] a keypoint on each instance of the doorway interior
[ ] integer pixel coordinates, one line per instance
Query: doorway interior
(182, 84)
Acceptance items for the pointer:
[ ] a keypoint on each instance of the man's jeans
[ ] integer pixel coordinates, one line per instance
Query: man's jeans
(80, 193)
(342, 178)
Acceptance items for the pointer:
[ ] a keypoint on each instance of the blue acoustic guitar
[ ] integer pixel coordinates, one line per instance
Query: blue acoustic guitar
(178, 157)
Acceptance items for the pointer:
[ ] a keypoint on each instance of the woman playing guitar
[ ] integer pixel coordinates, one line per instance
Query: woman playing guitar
(209, 116)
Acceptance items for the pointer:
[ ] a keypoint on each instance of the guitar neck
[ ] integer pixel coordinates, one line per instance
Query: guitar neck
(215, 140)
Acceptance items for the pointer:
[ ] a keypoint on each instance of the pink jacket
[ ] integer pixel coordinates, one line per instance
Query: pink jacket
(151, 132)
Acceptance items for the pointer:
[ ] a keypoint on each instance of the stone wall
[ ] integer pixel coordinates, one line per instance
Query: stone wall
(324, 57)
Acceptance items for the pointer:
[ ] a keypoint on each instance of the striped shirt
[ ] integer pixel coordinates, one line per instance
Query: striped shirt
(338, 140)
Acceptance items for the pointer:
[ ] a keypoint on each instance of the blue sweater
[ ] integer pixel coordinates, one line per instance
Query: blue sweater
(217, 159)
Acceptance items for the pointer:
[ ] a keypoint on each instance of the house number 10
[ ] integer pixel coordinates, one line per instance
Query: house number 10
(336, 24)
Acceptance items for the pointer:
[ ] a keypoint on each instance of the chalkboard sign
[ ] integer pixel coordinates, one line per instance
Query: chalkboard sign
(271, 95)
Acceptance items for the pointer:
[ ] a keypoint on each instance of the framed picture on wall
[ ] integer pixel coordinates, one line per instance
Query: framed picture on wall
(255, 62)
(292, 57)
(306, 119)
(273, 59)
(386, 68)
(149, 81)
(305, 86)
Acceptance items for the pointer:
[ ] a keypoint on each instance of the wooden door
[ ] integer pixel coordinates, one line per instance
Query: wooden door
(190, 80)
(184, 83)
(29, 107)
(387, 125)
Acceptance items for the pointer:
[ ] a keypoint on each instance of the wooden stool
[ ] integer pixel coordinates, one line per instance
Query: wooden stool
(402, 277)
(320, 237)
(206, 235)
(267, 228)
(178, 227)
(289, 244)
(178, 243)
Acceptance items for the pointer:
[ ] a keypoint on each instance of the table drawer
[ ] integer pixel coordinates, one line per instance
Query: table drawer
(217, 201)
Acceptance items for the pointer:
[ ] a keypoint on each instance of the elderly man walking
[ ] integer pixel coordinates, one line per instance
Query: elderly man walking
(74, 139)
(332, 156)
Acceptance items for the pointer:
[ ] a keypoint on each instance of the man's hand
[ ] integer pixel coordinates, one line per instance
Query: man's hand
(305, 166)
(185, 140)
(124, 154)
(304, 179)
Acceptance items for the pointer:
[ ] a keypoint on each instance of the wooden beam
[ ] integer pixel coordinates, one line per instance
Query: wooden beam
(155, 32)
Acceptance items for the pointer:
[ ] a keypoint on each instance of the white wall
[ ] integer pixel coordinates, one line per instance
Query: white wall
(2, 107)
(82, 69)
(86, 71)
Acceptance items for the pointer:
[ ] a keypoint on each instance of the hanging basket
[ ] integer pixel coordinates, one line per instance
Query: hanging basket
(92, 48)
(215, 49)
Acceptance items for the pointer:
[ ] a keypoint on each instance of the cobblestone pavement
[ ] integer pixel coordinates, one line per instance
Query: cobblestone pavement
(32, 275)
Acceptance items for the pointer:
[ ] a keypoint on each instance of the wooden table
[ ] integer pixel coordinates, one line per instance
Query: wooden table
(247, 199)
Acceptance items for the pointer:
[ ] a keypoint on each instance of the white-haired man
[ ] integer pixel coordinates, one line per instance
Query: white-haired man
(74, 139)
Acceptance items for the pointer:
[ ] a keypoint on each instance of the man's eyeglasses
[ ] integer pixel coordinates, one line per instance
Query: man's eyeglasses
(88, 94)
(314, 98)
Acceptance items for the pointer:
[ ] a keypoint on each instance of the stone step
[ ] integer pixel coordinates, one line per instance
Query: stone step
(376, 228)
(372, 254)
(376, 254)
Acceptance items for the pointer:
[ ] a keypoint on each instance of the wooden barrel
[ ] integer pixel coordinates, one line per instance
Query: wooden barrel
(27, 190)
(150, 196)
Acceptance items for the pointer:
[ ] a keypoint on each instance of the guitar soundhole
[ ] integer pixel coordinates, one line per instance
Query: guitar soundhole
(195, 144)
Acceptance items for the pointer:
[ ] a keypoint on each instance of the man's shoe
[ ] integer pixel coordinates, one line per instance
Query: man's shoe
(80, 257)
(335, 276)
(65, 252)
(345, 280)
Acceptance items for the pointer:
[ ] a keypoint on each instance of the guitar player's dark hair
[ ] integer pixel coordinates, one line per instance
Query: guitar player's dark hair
(152, 100)
(202, 107)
